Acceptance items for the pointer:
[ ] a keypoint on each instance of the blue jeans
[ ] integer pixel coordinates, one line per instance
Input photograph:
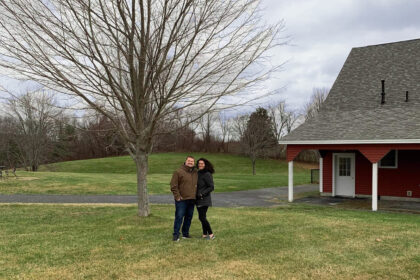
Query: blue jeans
(184, 211)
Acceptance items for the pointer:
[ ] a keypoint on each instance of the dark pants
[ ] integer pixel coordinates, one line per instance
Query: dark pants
(184, 211)
(202, 215)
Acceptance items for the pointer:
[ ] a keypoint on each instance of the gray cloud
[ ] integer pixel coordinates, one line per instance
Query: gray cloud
(323, 32)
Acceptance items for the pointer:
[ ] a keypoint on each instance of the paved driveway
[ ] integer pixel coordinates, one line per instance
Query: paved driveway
(362, 203)
(262, 197)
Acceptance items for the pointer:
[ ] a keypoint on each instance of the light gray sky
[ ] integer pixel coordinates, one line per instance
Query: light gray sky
(322, 33)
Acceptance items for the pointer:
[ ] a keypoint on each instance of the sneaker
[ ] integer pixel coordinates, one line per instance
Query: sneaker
(210, 237)
(175, 238)
(186, 237)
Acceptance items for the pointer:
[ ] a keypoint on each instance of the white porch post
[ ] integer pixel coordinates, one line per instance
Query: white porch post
(374, 186)
(291, 181)
(320, 174)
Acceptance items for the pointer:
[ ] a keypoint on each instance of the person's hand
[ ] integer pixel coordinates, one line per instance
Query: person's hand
(179, 199)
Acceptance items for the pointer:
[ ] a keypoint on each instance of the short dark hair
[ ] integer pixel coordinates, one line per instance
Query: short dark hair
(208, 166)
(189, 157)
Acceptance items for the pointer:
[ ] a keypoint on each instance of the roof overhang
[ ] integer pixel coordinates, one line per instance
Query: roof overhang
(343, 142)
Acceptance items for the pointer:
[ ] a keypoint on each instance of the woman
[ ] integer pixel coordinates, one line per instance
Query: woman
(204, 187)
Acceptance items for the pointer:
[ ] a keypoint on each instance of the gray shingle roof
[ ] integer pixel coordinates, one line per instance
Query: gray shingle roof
(353, 109)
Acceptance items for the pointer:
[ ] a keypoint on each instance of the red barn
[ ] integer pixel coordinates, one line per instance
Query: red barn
(368, 129)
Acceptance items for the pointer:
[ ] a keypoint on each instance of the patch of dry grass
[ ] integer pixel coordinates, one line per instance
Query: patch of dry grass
(288, 242)
(117, 175)
(113, 183)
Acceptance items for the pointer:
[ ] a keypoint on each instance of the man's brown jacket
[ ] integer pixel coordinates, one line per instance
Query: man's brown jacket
(184, 183)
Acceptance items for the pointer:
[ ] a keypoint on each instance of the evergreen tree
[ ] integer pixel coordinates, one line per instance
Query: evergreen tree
(258, 139)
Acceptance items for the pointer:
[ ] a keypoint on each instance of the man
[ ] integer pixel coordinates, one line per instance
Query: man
(184, 188)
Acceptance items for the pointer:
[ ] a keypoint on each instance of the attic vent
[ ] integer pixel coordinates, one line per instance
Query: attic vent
(406, 96)
(383, 92)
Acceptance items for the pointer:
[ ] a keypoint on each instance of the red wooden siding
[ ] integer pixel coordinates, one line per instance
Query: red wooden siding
(396, 182)
(363, 175)
(327, 172)
(374, 155)
(292, 151)
(391, 182)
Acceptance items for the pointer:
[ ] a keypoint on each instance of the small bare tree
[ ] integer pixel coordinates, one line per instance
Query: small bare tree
(138, 62)
(314, 105)
(239, 124)
(293, 120)
(279, 116)
(5, 135)
(283, 122)
(34, 114)
(226, 128)
(206, 126)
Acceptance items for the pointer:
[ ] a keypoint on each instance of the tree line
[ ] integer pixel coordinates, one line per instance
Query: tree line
(35, 130)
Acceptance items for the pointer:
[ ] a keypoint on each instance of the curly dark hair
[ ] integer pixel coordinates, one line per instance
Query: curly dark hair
(208, 166)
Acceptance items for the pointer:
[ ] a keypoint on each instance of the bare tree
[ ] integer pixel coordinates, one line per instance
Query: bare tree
(293, 120)
(279, 116)
(284, 120)
(176, 134)
(225, 133)
(34, 114)
(206, 126)
(5, 136)
(97, 137)
(314, 105)
(239, 126)
(138, 62)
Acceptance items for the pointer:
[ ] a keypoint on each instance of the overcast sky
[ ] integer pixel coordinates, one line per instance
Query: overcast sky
(322, 33)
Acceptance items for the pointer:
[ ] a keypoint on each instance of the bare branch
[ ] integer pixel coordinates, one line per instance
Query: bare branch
(138, 62)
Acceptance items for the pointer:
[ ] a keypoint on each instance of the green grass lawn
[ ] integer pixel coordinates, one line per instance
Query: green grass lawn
(116, 175)
(166, 163)
(290, 242)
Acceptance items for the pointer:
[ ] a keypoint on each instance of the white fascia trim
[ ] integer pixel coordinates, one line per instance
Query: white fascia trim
(329, 142)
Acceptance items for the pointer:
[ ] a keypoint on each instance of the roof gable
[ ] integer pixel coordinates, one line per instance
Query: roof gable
(353, 109)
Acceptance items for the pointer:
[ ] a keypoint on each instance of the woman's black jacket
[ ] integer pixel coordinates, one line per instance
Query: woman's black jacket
(205, 186)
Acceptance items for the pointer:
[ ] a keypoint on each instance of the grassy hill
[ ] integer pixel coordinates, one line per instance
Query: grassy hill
(117, 175)
(166, 163)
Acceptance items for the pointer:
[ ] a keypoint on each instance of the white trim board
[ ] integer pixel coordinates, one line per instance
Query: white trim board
(329, 142)
(386, 197)
(396, 198)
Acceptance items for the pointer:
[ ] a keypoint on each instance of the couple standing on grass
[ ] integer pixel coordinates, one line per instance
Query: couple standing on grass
(191, 186)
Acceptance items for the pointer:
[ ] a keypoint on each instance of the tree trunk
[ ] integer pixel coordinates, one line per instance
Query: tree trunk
(142, 163)
(253, 166)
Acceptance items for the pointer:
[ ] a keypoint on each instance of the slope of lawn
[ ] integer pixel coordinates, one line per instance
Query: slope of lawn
(117, 175)
(290, 242)
(166, 163)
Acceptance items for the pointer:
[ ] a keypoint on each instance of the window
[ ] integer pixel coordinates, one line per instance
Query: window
(344, 166)
(390, 160)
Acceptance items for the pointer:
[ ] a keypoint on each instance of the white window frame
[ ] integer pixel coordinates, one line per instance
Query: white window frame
(395, 166)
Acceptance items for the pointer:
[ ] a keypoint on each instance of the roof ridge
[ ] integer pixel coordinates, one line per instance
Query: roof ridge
(353, 109)
(397, 42)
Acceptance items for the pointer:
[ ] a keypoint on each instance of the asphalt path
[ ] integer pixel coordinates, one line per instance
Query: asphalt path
(251, 198)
